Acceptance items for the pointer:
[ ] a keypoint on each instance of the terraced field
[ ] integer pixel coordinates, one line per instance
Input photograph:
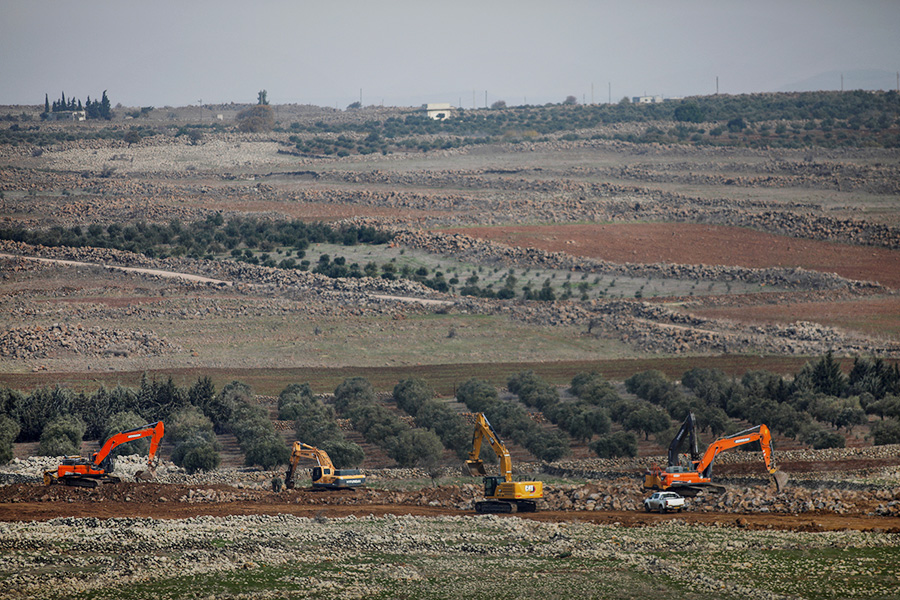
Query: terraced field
(615, 256)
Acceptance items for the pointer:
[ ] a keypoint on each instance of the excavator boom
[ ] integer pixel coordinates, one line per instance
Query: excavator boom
(484, 430)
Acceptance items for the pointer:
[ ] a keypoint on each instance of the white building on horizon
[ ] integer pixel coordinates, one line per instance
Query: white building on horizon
(439, 111)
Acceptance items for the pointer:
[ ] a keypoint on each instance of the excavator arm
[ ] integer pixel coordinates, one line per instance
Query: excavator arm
(688, 431)
(154, 431)
(484, 430)
(760, 434)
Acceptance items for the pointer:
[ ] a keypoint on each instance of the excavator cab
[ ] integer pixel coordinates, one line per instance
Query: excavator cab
(490, 485)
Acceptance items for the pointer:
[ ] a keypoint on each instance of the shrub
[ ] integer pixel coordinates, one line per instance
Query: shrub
(416, 447)
(267, 452)
(477, 394)
(352, 390)
(256, 119)
(376, 423)
(62, 437)
(594, 389)
(344, 454)
(886, 432)
(411, 394)
(293, 400)
(9, 430)
(189, 423)
(615, 445)
(453, 430)
(197, 454)
(316, 425)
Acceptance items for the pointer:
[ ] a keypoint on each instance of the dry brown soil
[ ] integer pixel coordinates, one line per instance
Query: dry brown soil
(686, 243)
(26, 502)
(876, 316)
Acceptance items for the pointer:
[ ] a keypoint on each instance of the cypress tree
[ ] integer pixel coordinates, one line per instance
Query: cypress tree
(105, 111)
(46, 103)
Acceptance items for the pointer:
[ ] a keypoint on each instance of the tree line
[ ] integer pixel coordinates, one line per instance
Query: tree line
(806, 118)
(93, 109)
(813, 406)
(198, 239)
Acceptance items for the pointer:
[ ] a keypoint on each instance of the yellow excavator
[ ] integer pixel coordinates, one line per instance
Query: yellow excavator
(501, 493)
(324, 475)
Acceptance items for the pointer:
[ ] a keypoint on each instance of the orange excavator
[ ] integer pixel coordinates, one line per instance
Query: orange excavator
(90, 472)
(688, 481)
(324, 475)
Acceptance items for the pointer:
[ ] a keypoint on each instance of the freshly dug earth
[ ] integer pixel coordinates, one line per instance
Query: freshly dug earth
(34, 502)
(685, 243)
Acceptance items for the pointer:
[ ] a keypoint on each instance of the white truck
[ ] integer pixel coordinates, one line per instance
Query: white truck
(664, 502)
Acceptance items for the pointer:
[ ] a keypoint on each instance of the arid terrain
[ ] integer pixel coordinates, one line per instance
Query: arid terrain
(657, 256)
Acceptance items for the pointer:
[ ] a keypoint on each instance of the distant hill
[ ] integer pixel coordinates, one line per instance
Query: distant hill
(856, 79)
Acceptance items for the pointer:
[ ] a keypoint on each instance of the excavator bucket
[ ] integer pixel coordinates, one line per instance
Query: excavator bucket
(476, 468)
(781, 479)
(148, 475)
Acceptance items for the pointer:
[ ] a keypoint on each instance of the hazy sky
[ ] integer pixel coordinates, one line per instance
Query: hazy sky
(162, 52)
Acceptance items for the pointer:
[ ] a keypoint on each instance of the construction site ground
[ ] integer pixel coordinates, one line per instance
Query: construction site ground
(33, 502)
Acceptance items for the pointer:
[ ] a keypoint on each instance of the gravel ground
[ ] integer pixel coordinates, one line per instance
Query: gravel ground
(283, 556)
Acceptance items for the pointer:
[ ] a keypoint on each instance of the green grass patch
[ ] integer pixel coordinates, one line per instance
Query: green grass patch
(812, 573)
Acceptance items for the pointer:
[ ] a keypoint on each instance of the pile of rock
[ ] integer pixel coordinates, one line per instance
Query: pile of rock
(60, 340)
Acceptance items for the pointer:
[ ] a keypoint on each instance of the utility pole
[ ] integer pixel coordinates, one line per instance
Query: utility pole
(842, 82)
(717, 85)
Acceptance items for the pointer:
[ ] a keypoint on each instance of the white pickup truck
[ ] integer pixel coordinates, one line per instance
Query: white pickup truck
(664, 502)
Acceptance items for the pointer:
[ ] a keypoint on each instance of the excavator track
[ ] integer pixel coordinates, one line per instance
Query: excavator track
(494, 507)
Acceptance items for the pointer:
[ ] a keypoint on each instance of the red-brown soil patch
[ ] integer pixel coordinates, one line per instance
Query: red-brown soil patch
(685, 243)
(879, 316)
(26, 502)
